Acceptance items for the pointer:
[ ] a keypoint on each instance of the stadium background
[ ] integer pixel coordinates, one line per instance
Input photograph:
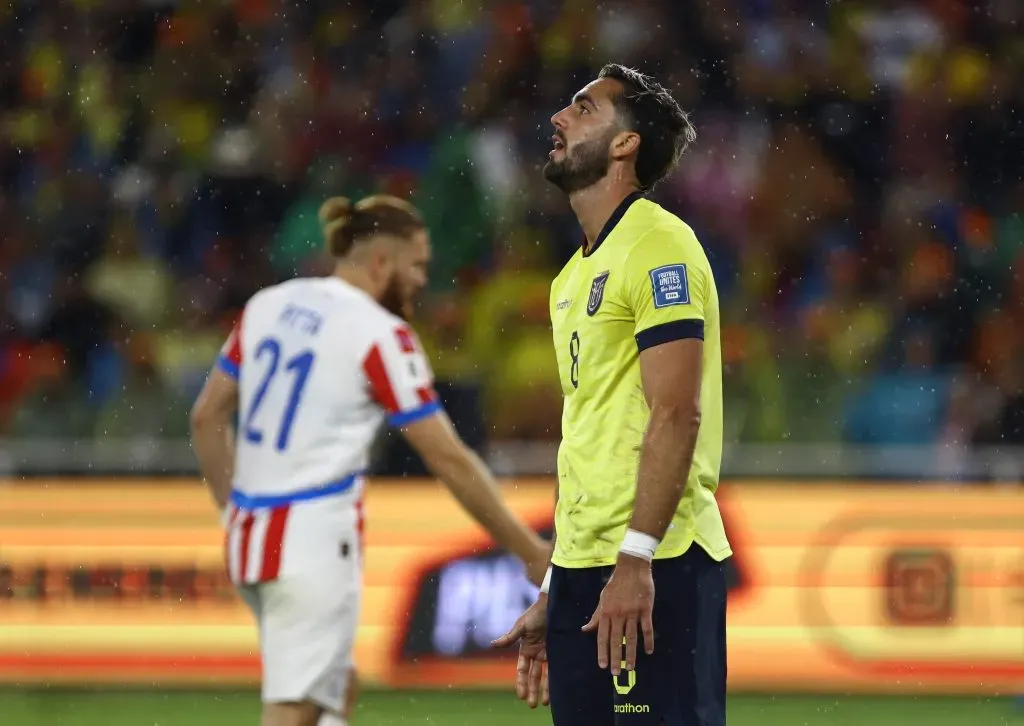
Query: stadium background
(857, 183)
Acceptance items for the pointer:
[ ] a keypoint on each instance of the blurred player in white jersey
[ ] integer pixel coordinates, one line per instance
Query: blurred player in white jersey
(312, 370)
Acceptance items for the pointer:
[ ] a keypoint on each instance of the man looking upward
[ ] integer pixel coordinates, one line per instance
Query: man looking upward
(640, 543)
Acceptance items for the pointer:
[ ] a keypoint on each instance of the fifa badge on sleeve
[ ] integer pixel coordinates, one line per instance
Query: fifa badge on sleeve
(670, 286)
(596, 293)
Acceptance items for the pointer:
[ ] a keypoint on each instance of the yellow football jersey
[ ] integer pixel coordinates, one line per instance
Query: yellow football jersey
(645, 281)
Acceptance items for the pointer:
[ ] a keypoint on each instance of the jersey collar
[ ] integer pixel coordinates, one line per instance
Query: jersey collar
(617, 215)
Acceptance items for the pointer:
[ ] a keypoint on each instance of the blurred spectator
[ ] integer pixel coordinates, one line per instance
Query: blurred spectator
(135, 288)
(857, 185)
(78, 324)
(53, 405)
(143, 406)
(906, 405)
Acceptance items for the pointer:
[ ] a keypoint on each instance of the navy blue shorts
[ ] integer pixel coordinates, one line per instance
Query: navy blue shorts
(681, 684)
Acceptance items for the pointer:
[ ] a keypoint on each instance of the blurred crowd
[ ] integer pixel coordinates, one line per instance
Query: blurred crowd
(858, 184)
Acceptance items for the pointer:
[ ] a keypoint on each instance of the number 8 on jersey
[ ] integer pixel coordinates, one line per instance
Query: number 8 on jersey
(574, 354)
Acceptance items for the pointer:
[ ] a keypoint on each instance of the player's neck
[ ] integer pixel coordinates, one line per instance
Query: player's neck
(357, 276)
(595, 205)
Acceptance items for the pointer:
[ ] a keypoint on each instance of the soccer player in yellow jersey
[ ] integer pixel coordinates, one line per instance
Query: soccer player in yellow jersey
(639, 541)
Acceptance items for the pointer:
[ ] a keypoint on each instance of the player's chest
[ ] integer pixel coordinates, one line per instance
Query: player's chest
(591, 324)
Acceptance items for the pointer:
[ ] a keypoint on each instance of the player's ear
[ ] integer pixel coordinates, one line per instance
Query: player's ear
(387, 248)
(377, 257)
(624, 144)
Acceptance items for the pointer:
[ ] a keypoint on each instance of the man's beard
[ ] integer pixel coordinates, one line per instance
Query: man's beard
(394, 301)
(587, 165)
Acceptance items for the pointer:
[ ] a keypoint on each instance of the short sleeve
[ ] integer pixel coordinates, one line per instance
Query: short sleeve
(400, 378)
(230, 358)
(667, 288)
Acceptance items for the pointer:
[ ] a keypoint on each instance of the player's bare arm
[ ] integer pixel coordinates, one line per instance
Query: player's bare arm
(213, 434)
(469, 481)
(671, 375)
(530, 631)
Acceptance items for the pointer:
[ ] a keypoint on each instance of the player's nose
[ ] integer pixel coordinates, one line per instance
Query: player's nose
(558, 120)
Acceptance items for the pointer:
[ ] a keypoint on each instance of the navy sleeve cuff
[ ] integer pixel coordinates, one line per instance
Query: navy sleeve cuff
(228, 366)
(404, 418)
(667, 332)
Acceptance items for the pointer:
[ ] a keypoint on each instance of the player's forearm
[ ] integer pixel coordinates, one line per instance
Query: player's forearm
(546, 583)
(475, 489)
(213, 441)
(665, 459)
(554, 530)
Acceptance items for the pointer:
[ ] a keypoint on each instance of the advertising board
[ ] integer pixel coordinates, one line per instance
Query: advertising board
(833, 587)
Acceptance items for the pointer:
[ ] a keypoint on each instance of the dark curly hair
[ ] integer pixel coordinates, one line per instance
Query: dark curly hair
(647, 108)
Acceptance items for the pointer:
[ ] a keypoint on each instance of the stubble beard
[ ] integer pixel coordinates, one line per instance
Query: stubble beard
(586, 166)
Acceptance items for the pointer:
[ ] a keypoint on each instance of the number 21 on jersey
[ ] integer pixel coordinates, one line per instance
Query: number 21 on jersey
(296, 369)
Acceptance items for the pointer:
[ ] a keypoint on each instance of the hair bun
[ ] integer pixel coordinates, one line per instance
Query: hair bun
(346, 224)
(335, 209)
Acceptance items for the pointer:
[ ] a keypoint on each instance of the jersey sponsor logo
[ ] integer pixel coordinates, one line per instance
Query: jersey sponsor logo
(596, 293)
(563, 304)
(670, 286)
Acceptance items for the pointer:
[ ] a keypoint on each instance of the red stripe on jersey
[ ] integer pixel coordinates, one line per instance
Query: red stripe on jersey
(405, 340)
(380, 384)
(246, 538)
(426, 395)
(273, 543)
(233, 347)
(360, 526)
(227, 536)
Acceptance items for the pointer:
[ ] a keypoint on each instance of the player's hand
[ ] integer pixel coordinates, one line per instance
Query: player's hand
(530, 630)
(626, 605)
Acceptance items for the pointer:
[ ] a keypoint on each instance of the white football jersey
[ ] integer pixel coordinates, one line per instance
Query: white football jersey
(320, 365)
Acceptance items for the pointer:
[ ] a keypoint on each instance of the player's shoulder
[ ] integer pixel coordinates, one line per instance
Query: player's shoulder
(567, 269)
(267, 302)
(658, 233)
(329, 296)
(281, 291)
(260, 302)
(384, 320)
(365, 313)
(652, 222)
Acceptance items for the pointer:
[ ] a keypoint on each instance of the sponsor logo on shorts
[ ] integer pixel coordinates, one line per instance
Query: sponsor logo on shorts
(632, 708)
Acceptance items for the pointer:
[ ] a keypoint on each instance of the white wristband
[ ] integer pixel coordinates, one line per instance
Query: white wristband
(639, 545)
(547, 581)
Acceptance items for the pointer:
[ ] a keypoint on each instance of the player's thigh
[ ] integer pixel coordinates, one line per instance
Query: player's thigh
(307, 635)
(580, 691)
(290, 714)
(683, 682)
(250, 595)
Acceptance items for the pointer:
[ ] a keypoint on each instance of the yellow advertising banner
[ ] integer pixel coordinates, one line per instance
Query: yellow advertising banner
(865, 587)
